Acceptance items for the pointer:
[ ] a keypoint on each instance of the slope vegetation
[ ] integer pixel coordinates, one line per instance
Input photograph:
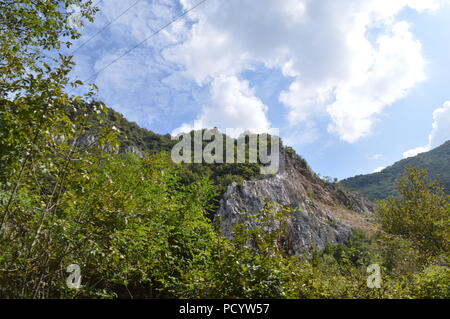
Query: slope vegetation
(380, 185)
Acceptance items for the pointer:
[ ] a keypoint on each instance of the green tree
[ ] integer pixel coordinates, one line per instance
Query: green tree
(34, 107)
(40, 130)
(30, 32)
(421, 213)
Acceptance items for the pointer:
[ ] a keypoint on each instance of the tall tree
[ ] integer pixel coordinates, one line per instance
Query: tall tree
(40, 127)
(421, 213)
(34, 75)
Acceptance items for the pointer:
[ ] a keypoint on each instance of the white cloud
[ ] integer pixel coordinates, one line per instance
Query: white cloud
(441, 126)
(415, 151)
(232, 105)
(338, 69)
(138, 84)
(397, 66)
(379, 169)
(141, 20)
(440, 132)
(133, 86)
(307, 134)
(374, 157)
(347, 60)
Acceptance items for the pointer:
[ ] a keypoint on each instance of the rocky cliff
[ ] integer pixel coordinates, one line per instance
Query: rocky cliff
(323, 212)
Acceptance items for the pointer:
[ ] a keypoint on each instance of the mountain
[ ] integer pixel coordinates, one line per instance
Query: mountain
(323, 212)
(135, 139)
(380, 185)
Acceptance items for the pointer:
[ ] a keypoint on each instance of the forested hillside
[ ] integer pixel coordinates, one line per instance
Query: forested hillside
(131, 137)
(381, 185)
(92, 206)
(138, 228)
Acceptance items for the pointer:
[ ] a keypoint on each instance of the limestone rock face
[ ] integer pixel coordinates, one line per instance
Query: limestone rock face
(85, 141)
(89, 140)
(130, 149)
(313, 200)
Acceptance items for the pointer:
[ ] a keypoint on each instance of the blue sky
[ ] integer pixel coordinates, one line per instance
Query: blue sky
(353, 85)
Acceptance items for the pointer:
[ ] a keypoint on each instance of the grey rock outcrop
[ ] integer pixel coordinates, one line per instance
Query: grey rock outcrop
(85, 141)
(89, 141)
(313, 200)
(130, 149)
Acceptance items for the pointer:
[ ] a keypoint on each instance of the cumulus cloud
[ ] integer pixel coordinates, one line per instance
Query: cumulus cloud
(141, 19)
(307, 134)
(378, 169)
(140, 84)
(440, 132)
(415, 151)
(441, 126)
(232, 105)
(346, 60)
(397, 66)
(340, 66)
(374, 157)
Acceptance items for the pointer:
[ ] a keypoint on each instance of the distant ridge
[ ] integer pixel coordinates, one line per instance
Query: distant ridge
(380, 185)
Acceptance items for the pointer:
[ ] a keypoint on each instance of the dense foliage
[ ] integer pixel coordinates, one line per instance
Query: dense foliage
(139, 227)
(136, 231)
(130, 134)
(380, 185)
(421, 214)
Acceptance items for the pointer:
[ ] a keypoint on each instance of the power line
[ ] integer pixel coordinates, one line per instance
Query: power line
(146, 39)
(106, 26)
